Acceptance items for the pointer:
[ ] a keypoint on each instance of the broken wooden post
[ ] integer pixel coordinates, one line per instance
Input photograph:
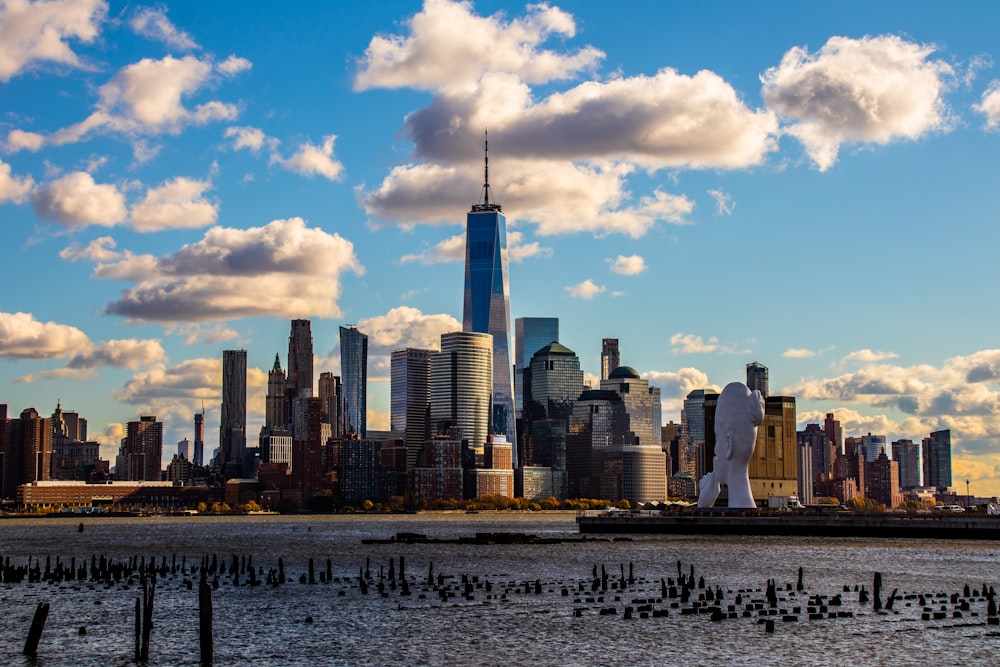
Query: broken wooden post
(205, 623)
(35, 632)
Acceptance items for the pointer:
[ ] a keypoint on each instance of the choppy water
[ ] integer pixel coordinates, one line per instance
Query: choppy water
(266, 625)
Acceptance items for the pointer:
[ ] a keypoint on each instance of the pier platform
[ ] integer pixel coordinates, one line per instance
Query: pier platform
(750, 522)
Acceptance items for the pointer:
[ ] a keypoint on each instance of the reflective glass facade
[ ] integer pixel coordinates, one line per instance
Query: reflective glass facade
(354, 380)
(461, 383)
(530, 335)
(487, 305)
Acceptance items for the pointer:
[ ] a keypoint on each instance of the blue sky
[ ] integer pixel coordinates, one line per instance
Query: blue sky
(811, 186)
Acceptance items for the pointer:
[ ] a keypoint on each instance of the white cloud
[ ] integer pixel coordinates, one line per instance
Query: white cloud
(12, 188)
(152, 23)
(311, 160)
(683, 343)
(75, 200)
(452, 249)
(20, 140)
(99, 250)
(24, 337)
(250, 138)
(176, 204)
(990, 105)
(798, 353)
(627, 266)
(518, 250)
(283, 269)
(448, 45)
(868, 356)
(403, 327)
(202, 334)
(724, 204)
(869, 90)
(124, 353)
(233, 65)
(38, 32)
(586, 290)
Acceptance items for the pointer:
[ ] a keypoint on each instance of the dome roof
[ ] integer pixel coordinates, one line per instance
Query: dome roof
(623, 372)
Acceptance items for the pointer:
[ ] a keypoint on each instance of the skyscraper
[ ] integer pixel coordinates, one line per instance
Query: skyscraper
(461, 384)
(757, 378)
(275, 406)
(410, 389)
(610, 359)
(834, 434)
(937, 459)
(330, 391)
(354, 380)
(487, 300)
(530, 335)
(300, 362)
(144, 449)
(199, 438)
(233, 421)
(553, 382)
(906, 452)
(25, 451)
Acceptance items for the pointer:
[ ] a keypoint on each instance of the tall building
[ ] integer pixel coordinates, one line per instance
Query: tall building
(907, 454)
(530, 335)
(834, 434)
(184, 449)
(773, 467)
(461, 385)
(610, 359)
(937, 459)
(144, 449)
(597, 423)
(693, 428)
(553, 381)
(25, 451)
(308, 447)
(300, 364)
(276, 406)
(757, 378)
(199, 439)
(486, 307)
(814, 440)
(330, 391)
(410, 405)
(233, 421)
(354, 380)
(640, 404)
(872, 446)
(882, 481)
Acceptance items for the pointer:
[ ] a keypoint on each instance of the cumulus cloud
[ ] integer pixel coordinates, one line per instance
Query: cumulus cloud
(202, 334)
(12, 188)
(283, 269)
(101, 249)
(233, 65)
(853, 91)
(124, 353)
(452, 249)
(152, 23)
(38, 32)
(311, 160)
(403, 327)
(24, 337)
(518, 250)
(868, 356)
(798, 353)
(177, 204)
(20, 140)
(560, 197)
(627, 266)
(684, 343)
(250, 138)
(990, 105)
(75, 200)
(676, 385)
(586, 290)
(448, 45)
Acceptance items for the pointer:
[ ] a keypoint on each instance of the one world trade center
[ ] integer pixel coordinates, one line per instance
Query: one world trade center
(487, 299)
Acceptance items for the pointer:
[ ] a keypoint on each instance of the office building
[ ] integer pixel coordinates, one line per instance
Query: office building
(330, 392)
(937, 459)
(907, 454)
(641, 405)
(461, 384)
(882, 481)
(354, 381)
(610, 358)
(438, 473)
(834, 434)
(598, 422)
(872, 446)
(198, 458)
(693, 428)
(410, 393)
(25, 451)
(276, 405)
(143, 450)
(773, 467)
(530, 335)
(757, 378)
(486, 303)
(552, 382)
(233, 421)
(300, 365)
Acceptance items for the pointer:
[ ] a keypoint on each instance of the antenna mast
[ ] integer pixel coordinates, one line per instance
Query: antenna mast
(487, 205)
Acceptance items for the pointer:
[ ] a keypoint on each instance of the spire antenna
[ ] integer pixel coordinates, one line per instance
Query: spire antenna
(487, 204)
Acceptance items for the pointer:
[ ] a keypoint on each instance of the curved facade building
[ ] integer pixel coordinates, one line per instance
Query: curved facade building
(462, 385)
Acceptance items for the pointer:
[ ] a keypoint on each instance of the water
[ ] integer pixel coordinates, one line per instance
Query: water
(267, 625)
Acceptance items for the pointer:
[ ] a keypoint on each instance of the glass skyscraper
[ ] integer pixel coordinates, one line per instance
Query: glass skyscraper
(233, 426)
(530, 335)
(487, 301)
(354, 380)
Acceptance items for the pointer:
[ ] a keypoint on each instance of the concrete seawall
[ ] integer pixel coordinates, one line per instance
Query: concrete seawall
(752, 523)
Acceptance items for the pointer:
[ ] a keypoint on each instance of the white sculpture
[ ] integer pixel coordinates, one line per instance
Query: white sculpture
(737, 415)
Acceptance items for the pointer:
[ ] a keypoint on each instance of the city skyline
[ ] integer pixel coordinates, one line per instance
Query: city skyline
(177, 180)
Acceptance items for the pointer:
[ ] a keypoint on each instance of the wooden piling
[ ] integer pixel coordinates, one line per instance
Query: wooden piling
(205, 623)
(35, 632)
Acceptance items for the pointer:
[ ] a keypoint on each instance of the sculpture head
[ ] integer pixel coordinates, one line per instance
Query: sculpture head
(738, 412)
